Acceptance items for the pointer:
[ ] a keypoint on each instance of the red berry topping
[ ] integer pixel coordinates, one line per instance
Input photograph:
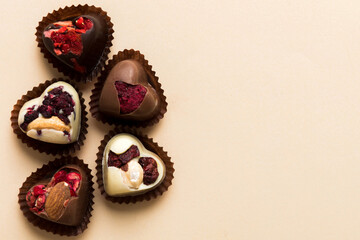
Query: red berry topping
(84, 23)
(36, 198)
(73, 179)
(60, 176)
(39, 190)
(130, 96)
(149, 166)
(119, 160)
(56, 103)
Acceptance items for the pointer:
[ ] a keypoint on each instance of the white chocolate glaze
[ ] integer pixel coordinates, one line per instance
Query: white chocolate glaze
(120, 183)
(52, 135)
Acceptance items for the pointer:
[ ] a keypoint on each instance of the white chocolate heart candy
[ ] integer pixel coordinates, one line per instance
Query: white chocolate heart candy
(125, 169)
(53, 117)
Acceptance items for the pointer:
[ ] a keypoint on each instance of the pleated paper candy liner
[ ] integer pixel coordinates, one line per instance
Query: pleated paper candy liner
(69, 12)
(150, 145)
(49, 148)
(44, 172)
(153, 80)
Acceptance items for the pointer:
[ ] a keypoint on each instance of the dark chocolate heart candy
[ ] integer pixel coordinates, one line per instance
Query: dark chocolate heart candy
(127, 93)
(78, 42)
(63, 198)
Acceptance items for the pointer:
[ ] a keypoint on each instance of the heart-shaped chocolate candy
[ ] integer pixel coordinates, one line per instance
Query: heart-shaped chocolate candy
(78, 42)
(54, 117)
(129, 168)
(61, 199)
(127, 93)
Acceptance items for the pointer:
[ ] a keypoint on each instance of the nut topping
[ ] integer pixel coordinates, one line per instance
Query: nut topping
(54, 204)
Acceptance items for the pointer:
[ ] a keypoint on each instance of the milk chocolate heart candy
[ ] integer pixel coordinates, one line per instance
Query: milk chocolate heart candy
(129, 168)
(78, 42)
(63, 199)
(127, 93)
(53, 117)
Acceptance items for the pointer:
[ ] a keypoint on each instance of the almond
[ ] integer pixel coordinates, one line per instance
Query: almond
(48, 123)
(54, 204)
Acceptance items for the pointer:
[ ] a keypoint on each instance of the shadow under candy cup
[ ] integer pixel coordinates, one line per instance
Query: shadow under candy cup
(150, 145)
(43, 175)
(49, 148)
(124, 119)
(76, 47)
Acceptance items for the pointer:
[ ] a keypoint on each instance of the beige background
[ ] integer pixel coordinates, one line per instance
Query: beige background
(263, 121)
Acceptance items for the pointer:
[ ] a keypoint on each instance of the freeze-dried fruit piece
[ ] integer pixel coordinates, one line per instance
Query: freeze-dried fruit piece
(119, 160)
(149, 166)
(130, 96)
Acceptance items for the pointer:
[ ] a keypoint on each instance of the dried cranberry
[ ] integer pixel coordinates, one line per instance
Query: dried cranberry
(30, 116)
(119, 160)
(149, 166)
(130, 96)
(56, 103)
(46, 111)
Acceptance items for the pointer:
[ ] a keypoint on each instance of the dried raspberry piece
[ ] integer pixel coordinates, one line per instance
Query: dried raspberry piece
(60, 176)
(80, 22)
(67, 40)
(149, 166)
(35, 199)
(130, 96)
(39, 190)
(73, 179)
(119, 160)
